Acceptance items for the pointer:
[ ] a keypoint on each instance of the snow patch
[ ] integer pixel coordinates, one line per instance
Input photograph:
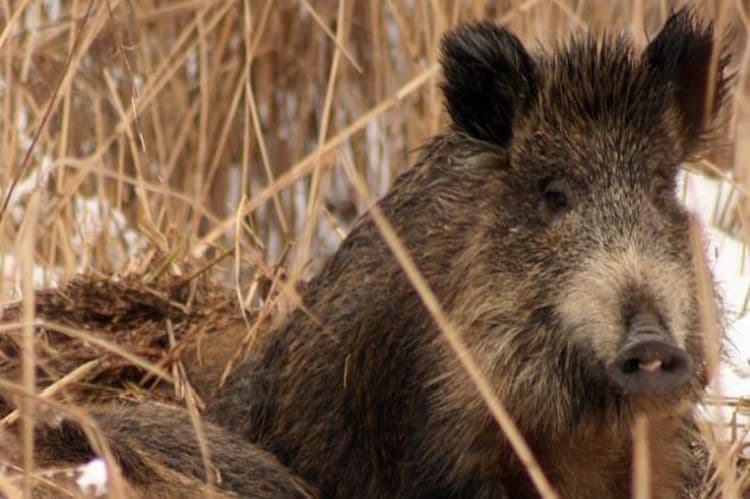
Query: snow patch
(93, 478)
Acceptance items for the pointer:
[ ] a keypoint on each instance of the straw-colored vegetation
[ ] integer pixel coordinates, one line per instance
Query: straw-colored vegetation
(171, 171)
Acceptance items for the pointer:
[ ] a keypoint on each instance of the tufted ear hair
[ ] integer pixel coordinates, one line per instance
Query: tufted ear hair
(681, 55)
(489, 81)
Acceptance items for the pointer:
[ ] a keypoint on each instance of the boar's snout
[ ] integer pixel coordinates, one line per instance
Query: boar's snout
(649, 362)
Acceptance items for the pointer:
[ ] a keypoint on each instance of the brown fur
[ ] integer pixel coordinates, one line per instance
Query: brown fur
(157, 450)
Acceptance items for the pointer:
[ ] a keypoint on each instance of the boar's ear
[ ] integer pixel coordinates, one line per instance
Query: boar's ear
(490, 80)
(681, 55)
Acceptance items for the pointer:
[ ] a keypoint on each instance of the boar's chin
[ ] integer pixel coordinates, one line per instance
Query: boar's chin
(657, 405)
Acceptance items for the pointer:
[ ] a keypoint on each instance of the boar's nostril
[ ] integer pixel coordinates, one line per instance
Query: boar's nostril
(630, 366)
(650, 366)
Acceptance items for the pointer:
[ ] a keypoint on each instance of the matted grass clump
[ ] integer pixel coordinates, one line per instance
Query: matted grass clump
(120, 337)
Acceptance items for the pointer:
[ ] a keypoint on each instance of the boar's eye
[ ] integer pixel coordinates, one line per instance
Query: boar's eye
(557, 199)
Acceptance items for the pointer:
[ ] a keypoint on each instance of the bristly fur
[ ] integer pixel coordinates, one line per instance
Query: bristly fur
(158, 452)
(686, 55)
(489, 80)
(543, 302)
(593, 80)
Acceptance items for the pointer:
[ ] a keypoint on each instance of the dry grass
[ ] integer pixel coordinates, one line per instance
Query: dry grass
(210, 138)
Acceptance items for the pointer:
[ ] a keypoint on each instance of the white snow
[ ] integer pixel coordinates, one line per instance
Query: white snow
(93, 478)
(731, 267)
(726, 255)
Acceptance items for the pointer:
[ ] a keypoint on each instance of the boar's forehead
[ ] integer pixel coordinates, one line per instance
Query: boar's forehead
(600, 108)
(601, 79)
